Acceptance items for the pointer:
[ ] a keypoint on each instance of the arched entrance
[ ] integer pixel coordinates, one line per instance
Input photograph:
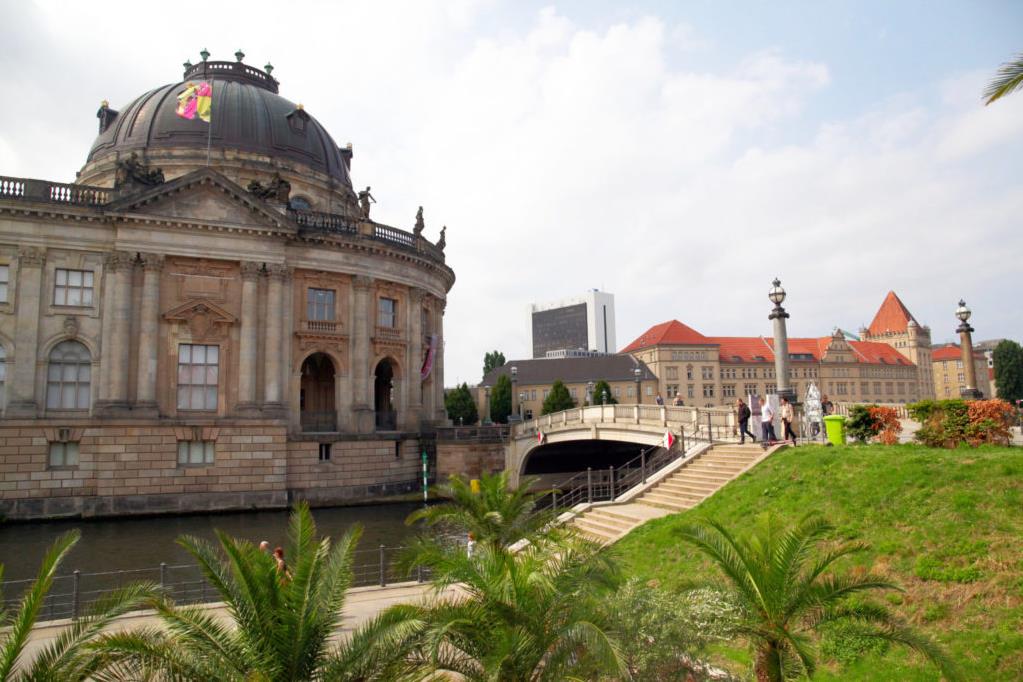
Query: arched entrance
(316, 395)
(383, 396)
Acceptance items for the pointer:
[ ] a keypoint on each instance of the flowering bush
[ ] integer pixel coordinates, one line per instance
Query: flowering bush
(872, 422)
(948, 423)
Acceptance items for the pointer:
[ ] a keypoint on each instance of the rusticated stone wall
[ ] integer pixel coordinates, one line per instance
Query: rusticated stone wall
(468, 459)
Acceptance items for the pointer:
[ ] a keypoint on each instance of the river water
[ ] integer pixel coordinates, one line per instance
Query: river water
(132, 544)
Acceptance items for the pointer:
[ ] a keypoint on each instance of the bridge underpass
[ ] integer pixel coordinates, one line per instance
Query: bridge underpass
(555, 462)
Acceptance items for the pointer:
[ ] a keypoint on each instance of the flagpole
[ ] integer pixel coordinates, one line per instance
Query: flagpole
(209, 136)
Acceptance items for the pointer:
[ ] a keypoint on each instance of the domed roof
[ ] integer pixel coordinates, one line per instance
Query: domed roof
(247, 115)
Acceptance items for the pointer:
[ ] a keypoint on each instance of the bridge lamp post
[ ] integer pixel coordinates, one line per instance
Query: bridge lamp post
(522, 399)
(638, 373)
(781, 342)
(589, 393)
(970, 392)
(514, 379)
(486, 404)
(603, 397)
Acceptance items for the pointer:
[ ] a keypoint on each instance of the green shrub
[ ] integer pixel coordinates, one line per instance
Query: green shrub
(847, 641)
(860, 425)
(929, 567)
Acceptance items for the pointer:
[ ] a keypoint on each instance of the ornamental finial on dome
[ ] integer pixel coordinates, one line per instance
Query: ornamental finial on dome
(205, 54)
(239, 55)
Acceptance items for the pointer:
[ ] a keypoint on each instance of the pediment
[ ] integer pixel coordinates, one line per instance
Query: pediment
(203, 319)
(204, 196)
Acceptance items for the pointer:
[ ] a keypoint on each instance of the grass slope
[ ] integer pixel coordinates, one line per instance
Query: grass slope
(945, 525)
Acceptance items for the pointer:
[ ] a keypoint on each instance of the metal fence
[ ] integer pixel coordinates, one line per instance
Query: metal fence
(72, 594)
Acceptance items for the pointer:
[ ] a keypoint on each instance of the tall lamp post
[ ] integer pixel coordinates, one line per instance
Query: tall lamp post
(515, 379)
(638, 373)
(486, 404)
(970, 392)
(781, 342)
(522, 399)
(589, 393)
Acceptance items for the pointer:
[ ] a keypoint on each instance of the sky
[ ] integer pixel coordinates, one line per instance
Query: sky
(679, 155)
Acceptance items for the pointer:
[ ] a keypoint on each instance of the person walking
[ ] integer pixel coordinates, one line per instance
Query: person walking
(743, 413)
(283, 573)
(660, 400)
(788, 415)
(767, 422)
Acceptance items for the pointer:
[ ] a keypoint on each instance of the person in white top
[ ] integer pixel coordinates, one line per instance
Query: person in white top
(767, 422)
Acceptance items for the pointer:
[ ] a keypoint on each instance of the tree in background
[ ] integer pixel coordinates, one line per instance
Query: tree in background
(1008, 79)
(1008, 357)
(602, 394)
(558, 399)
(492, 360)
(460, 406)
(501, 400)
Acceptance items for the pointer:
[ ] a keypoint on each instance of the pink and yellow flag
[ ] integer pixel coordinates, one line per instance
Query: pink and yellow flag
(196, 100)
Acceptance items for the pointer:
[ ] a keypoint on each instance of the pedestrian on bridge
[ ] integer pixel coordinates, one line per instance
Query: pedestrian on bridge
(744, 414)
(767, 422)
(787, 417)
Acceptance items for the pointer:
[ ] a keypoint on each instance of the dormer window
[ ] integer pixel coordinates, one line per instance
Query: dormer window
(300, 203)
(298, 120)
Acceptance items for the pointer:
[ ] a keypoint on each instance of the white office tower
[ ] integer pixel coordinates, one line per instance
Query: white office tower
(583, 323)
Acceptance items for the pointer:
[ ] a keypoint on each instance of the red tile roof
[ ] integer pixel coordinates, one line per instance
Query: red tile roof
(952, 351)
(892, 316)
(667, 334)
(876, 353)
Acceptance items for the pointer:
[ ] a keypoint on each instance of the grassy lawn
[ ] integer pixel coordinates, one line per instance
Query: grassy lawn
(945, 525)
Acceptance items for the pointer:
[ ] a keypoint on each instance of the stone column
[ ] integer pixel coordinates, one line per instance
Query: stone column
(118, 275)
(22, 387)
(248, 350)
(440, 415)
(149, 334)
(413, 383)
(362, 406)
(274, 328)
(970, 392)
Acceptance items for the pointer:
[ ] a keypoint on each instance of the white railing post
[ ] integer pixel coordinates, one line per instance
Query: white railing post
(664, 415)
(636, 413)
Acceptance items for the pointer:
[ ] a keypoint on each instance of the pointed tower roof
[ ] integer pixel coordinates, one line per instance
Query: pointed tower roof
(892, 316)
(672, 333)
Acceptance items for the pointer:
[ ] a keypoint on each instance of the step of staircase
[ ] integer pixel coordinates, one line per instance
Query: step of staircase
(684, 489)
(671, 502)
(716, 465)
(616, 513)
(594, 526)
(715, 479)
(599, 516)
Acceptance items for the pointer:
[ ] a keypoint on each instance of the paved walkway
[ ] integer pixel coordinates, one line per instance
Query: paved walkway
(362, 604)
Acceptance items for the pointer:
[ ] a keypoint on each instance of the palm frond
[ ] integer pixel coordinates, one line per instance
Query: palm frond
(1007, 80)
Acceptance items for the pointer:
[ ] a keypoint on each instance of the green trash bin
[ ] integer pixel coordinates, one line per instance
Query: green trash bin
(834, 425)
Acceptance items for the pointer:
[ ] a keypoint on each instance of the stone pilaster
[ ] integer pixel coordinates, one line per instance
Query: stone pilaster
(21, 400)
(413, 383)
(248, 350)
(440, 415)
(117, 277)
(362, 406)
(149, 334)
(274, 329)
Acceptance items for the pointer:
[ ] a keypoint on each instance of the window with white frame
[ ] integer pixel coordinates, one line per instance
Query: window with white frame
(72, 287)
(5, 277)
(706, 373)
(387, 312)
(689, 391)
(69, 377)
(649, 390)
(671, 373)
(198, 376)
(63, 454)
(320, 304)
(617, 392)
(728, 390)
(708, 390)
(195, 452)
(3, 377)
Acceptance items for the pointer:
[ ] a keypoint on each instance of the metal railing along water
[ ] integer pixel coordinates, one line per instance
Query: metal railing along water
(73, 594)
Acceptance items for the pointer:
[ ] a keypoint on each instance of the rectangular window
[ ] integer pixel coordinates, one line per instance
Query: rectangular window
(198, 376)
(63, 454)
(195, 452)
(889, 389)
(571, 392)
(320, 304)
(5, 276)
(708, 390)
(689, 372)
(649, 390)
(617, 392)
(771, 388)
(73, 287)
(629, 393)
(842, 388)
(532, 394)
(546, 392)
(749, 389)
(324, 452)
(728, 390)
(672, 390)
(672, 373)
(864, 387)
(706, 373)
(387, 312)
(877, 388)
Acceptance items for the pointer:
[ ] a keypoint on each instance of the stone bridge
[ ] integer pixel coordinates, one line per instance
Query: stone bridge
(643, 425)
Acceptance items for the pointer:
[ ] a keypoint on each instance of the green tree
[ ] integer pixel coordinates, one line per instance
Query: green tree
(501, 400)
(1008, 359)
(537, 614)
(284, 624)
(602, 394)
(778, 579)
(558, 399)
(460, 406)
(70, 655)
(497, 515)
(1008, 79)
(492, 360)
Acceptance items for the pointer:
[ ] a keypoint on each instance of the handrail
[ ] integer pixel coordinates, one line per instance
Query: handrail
(704, 423)
(29, 189)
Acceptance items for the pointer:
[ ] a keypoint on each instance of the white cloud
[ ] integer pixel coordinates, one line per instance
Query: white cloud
(565, 157)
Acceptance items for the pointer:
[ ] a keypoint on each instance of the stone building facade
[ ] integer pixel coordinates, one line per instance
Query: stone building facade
(713, 371)
(209, 318)
(949, 377)
(894, 325)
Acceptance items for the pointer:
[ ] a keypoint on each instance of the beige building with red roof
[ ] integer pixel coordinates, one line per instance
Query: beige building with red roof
(715, 370)
(949, 377)
(895, 325)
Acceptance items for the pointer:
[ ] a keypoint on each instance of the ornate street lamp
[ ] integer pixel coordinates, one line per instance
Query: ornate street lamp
(604, 397)
(522, 399)
(781, 341)
(239, 55)
(589, 392)
(486, 404)
(205, 54)
(970, 391)
(638, 373)
(514, 379)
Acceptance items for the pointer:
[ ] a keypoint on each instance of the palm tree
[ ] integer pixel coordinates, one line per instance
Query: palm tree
(283, 626)
(777, 579)
(497, 515)
(1008, 79)
(68, 657)
(536, 614)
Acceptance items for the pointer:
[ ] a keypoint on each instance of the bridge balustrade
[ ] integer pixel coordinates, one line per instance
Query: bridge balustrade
(702, 423)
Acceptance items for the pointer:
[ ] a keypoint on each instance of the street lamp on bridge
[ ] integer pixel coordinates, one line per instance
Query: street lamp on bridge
(970, 391)
(781, 342)
(638, 373)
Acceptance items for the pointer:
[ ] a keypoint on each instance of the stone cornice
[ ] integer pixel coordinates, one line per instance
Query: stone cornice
(31, 257)
(152, 261)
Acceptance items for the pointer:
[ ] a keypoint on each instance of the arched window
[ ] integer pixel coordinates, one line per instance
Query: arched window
(3, 377)
(300, 203)
(68, 377)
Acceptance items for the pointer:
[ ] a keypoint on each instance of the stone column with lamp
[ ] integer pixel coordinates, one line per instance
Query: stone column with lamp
(781, 342)
(514, 395)
(638, 373)
(970, 392)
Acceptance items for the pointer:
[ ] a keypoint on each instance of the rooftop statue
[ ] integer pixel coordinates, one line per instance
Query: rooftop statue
(365, 198)
(278, 188)
(132, 171)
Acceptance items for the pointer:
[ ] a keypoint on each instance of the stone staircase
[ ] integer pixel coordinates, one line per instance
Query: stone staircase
(682, 489)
